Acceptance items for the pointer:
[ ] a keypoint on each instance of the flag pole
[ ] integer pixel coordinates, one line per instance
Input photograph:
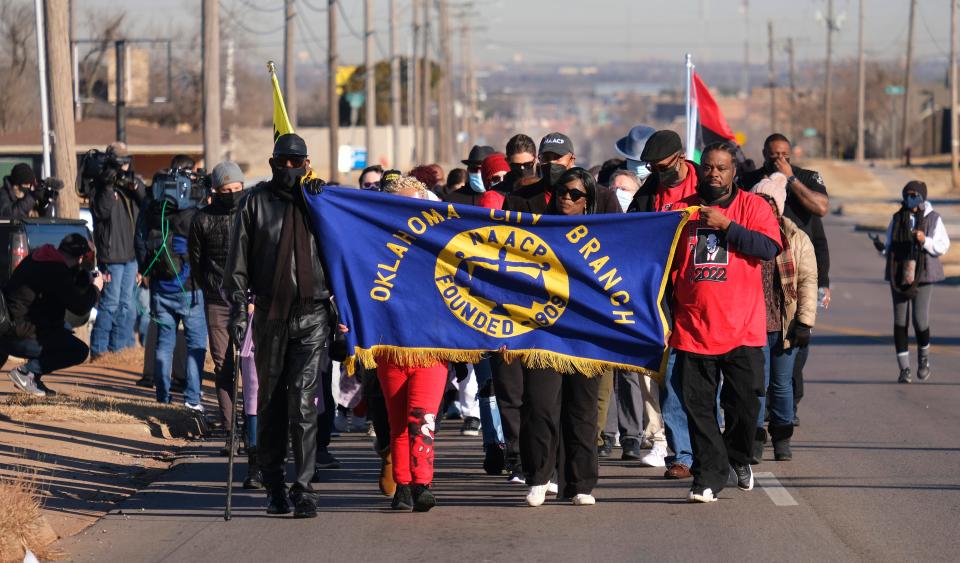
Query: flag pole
(691, 144)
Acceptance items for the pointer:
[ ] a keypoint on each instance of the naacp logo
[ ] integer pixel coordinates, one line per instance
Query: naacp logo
(503, 281)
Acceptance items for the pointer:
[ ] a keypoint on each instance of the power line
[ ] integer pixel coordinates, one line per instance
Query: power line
(236, 21)
(312, 7)
(923, 19)
(256, 8)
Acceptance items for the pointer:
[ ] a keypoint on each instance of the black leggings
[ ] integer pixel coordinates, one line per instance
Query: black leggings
(919, 305)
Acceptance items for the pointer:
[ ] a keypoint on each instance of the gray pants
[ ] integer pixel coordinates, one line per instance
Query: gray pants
(626, 406)
(920, 307)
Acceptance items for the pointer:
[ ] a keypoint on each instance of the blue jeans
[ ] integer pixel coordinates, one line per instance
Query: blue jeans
(170, 309)
(778, 381)
(489, 412)
(141, 296)
(113, 329)
(675, 416)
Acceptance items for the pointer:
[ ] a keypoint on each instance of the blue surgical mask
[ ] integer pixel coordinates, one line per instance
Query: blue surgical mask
(913, 201)
(476, 182)
(639, 168)
(624, 197)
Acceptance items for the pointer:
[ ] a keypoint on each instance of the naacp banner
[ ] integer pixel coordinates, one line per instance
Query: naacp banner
(419, 281)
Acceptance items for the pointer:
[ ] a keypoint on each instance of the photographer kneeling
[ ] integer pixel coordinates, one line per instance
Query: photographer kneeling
(49, 282)
(22, 197)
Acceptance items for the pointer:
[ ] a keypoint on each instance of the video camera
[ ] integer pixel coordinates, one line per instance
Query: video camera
(183, 189)
(98, 168)
(48, 191)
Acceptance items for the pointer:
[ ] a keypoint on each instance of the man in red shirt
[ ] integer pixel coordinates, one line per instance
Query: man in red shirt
(720, 320)
(672, 177)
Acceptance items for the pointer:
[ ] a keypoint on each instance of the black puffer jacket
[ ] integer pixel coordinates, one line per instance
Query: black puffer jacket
(210, 236)
(42, 289)
(253, 251)
(18, 208)
(115, 212)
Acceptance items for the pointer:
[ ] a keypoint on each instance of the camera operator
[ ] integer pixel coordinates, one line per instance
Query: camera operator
(21, 196)
(115, 204)
(49, 282)
(161, 247)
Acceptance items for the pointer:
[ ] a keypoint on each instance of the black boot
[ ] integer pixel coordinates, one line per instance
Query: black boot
(254, 478)
(760, 438)
(423, 499)
(304, 503)
(780, 435)
(402, 498)
(277, 500)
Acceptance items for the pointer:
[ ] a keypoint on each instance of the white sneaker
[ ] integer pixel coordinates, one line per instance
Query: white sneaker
(24, 381)
(701, 495)
(537, 494)
(655, 458)
(197, 407)
(552, 488)
(584, 500)
(516, 479)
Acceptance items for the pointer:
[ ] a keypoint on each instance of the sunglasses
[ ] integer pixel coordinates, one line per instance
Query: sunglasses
(661, 167)
(293, 161)
(524, 165)
(495, 180)
(370, 186)
(574, 195)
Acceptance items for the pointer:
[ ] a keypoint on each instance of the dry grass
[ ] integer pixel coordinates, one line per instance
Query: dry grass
(67, 408)
(129, 359)
(21, 523)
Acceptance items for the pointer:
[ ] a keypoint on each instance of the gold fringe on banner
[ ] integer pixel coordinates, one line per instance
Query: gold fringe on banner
(531, 358)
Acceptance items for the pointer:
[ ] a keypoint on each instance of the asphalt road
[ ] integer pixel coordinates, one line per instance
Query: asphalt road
(874, 478)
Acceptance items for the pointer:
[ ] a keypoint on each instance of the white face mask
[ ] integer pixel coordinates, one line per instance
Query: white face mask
(476, 182)
(624, 197)
(639, 168)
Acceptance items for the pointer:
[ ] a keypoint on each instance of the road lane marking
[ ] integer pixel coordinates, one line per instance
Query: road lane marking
(777, 493)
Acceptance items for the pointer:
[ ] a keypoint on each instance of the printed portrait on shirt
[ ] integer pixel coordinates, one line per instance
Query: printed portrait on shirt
(711, 248)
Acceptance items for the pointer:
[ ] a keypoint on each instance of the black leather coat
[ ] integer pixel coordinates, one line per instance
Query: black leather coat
(253, 252)
(210, 237)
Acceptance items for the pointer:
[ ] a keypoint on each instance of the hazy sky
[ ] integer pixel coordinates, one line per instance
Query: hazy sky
(576, 31)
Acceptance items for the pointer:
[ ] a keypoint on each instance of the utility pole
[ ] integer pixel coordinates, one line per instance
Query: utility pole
(394, 86)
(121, 71)
(370, 82)
(771, 77)
(905, 119)
(417, 116)
(61, 108)
(745, 76)
(793, 87)
(333, 101)
(466, 80)
(211, 83)
(42, 79)
(954, 121)
(861, 87)
(828, 89)
(78, 107)
(426, 73)
(289, 64)
(445, 98)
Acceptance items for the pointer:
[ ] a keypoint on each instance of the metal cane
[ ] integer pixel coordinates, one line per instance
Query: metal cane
(233, 432)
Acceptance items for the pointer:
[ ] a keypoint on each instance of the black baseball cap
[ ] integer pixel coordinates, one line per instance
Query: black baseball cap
(75, 245)
(290, 144)
(389, 177)
(477, 154)
(557, 143)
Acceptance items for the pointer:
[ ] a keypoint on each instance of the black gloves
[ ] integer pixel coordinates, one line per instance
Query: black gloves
(238, 328)
(877, 243)
(314, 185)
(801, 335)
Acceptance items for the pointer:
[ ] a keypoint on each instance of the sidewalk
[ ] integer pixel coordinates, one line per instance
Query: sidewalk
(100, 440)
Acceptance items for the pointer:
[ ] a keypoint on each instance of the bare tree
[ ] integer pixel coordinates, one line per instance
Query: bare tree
(17, 61)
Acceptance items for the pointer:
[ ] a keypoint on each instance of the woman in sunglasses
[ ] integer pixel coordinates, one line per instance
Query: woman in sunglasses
(558, 428)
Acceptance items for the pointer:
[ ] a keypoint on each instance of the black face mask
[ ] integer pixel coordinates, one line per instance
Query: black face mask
(227, 200)
(522, 171)
(551, 172)
(710, 194)
(288, 178)
(669, 177)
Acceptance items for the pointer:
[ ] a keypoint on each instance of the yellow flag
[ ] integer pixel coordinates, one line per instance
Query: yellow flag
(281, 122)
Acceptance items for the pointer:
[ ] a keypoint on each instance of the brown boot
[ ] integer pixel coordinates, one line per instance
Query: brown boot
(387, 485)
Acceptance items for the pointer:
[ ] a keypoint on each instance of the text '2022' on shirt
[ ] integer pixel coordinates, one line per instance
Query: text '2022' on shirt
(718, 291)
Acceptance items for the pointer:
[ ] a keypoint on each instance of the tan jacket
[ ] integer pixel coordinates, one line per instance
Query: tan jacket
(804, 309)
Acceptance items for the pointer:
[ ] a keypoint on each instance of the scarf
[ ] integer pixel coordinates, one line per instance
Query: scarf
(906, 261)
(295, 240)
(787, 268)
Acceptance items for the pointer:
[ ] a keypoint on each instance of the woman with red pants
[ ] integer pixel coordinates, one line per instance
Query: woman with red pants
(413, 396)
